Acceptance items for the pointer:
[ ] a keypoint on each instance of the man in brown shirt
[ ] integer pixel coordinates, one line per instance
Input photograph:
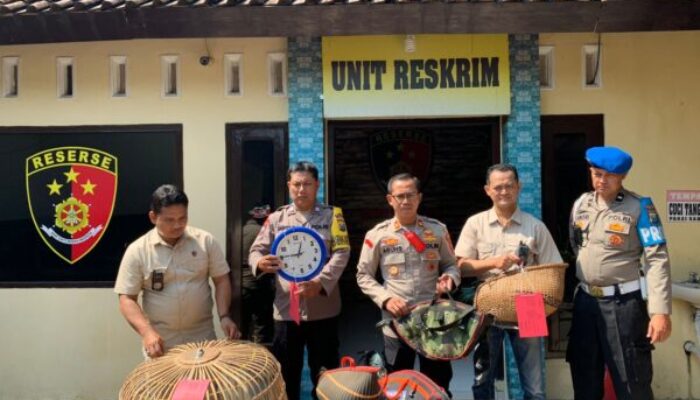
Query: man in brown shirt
(487, 246)
(319, 298)
(171, 265)
(611, 230)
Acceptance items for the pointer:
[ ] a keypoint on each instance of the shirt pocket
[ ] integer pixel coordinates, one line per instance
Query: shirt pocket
(431, 262)
(394, 266)
(150, 273)
(194, 263)
(618, 232)
(485, 250)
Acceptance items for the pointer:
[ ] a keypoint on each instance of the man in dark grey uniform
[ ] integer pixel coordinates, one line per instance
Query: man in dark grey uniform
(258, 292)
(611, 229)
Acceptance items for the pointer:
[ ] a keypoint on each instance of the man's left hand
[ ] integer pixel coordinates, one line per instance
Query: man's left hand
(659, 328)
(310, 288)
(444, 284)
(230, 329)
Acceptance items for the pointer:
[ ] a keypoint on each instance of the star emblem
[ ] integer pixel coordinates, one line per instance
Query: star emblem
(54, 188)
(88, 187)
(71, 176)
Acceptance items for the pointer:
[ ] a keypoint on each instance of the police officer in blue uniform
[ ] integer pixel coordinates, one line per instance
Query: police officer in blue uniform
(611, 229)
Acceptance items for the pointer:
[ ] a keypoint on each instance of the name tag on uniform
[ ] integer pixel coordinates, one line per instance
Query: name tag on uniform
(649, 227)
(618, 227)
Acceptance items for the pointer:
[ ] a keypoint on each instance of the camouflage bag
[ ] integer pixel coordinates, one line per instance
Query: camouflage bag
(440, 329)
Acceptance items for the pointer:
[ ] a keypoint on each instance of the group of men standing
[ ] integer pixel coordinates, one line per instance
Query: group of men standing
(611, 326)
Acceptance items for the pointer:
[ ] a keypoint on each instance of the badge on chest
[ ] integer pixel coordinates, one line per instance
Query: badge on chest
(302, 251)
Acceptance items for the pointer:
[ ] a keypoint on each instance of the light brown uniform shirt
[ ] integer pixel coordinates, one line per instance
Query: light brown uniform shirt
(611, 251)
(182, 311)
(408, 274)
(320, 219)
(483, 236)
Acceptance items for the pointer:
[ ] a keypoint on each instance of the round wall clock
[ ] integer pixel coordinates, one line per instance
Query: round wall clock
(302, 251)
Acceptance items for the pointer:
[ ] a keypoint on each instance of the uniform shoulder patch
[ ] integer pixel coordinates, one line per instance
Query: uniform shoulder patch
(649, 224)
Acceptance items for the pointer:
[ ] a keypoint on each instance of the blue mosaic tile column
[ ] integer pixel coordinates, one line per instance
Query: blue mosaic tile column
(521, 145)
(522, 148)
(305, 86)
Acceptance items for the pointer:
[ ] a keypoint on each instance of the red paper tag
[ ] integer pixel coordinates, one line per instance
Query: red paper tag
(294, 303)
(189, 389)
(532, 321)
(414, 240)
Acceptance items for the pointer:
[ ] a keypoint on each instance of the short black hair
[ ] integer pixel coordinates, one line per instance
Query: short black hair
(404, 176)
(502, 168)
(166, 196)
(302, 166)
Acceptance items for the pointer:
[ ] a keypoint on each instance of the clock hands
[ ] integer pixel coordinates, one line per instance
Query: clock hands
(299, 252)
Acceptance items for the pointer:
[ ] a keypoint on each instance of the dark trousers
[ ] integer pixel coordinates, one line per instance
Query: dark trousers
(488, 363)
(258, 295)
(321, 341)
(399, 356)
(610, 331)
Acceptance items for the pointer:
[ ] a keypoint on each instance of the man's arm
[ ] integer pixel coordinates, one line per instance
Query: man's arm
(658, 279)
(132, 312)
(340, 254)
(468, 255)
(547, 252)
(259, 257)
(367, 270)
(222, 295)
(448, 265)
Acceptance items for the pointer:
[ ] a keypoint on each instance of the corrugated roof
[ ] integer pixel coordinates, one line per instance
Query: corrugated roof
(49, 21)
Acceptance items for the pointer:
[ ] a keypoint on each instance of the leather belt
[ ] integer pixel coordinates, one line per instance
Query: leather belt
(607, 291)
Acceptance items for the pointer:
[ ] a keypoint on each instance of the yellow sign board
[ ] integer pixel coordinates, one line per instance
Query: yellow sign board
(421, 75)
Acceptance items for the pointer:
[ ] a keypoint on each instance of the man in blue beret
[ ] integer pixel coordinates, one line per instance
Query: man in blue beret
(613, 326)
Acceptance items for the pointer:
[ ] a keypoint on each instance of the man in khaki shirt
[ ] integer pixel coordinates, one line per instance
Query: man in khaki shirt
(171, 265)
(611, 230)
(319, 298)
(488, 246)
(416, 259)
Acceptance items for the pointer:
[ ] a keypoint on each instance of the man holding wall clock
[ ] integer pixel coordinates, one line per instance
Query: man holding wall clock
(305, 244)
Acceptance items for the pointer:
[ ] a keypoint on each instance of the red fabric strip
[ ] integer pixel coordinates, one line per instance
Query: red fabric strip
(294, 303)
(415, 241)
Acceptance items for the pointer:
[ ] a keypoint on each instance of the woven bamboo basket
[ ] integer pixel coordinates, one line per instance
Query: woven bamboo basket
(237, 370)
(496, 296)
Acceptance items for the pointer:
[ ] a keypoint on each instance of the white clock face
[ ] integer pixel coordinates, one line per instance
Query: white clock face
(301, 253)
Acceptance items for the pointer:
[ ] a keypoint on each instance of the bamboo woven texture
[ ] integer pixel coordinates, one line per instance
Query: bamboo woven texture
(237, 370)
(496, 296)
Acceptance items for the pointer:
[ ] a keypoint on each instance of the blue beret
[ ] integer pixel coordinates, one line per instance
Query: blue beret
(609, 158)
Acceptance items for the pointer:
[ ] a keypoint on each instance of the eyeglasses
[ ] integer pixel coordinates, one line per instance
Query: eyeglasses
(410, 196)
(508, 187)
(299, 185)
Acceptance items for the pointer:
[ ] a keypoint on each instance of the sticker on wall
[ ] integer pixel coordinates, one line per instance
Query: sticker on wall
(683, 205)
(395, 151)
(71, 193)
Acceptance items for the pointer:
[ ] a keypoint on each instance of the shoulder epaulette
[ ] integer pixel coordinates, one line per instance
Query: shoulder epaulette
(382, 224)
(633, 194)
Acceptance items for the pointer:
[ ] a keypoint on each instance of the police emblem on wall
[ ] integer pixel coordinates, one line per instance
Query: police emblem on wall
(395, 151)
(71, 193)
